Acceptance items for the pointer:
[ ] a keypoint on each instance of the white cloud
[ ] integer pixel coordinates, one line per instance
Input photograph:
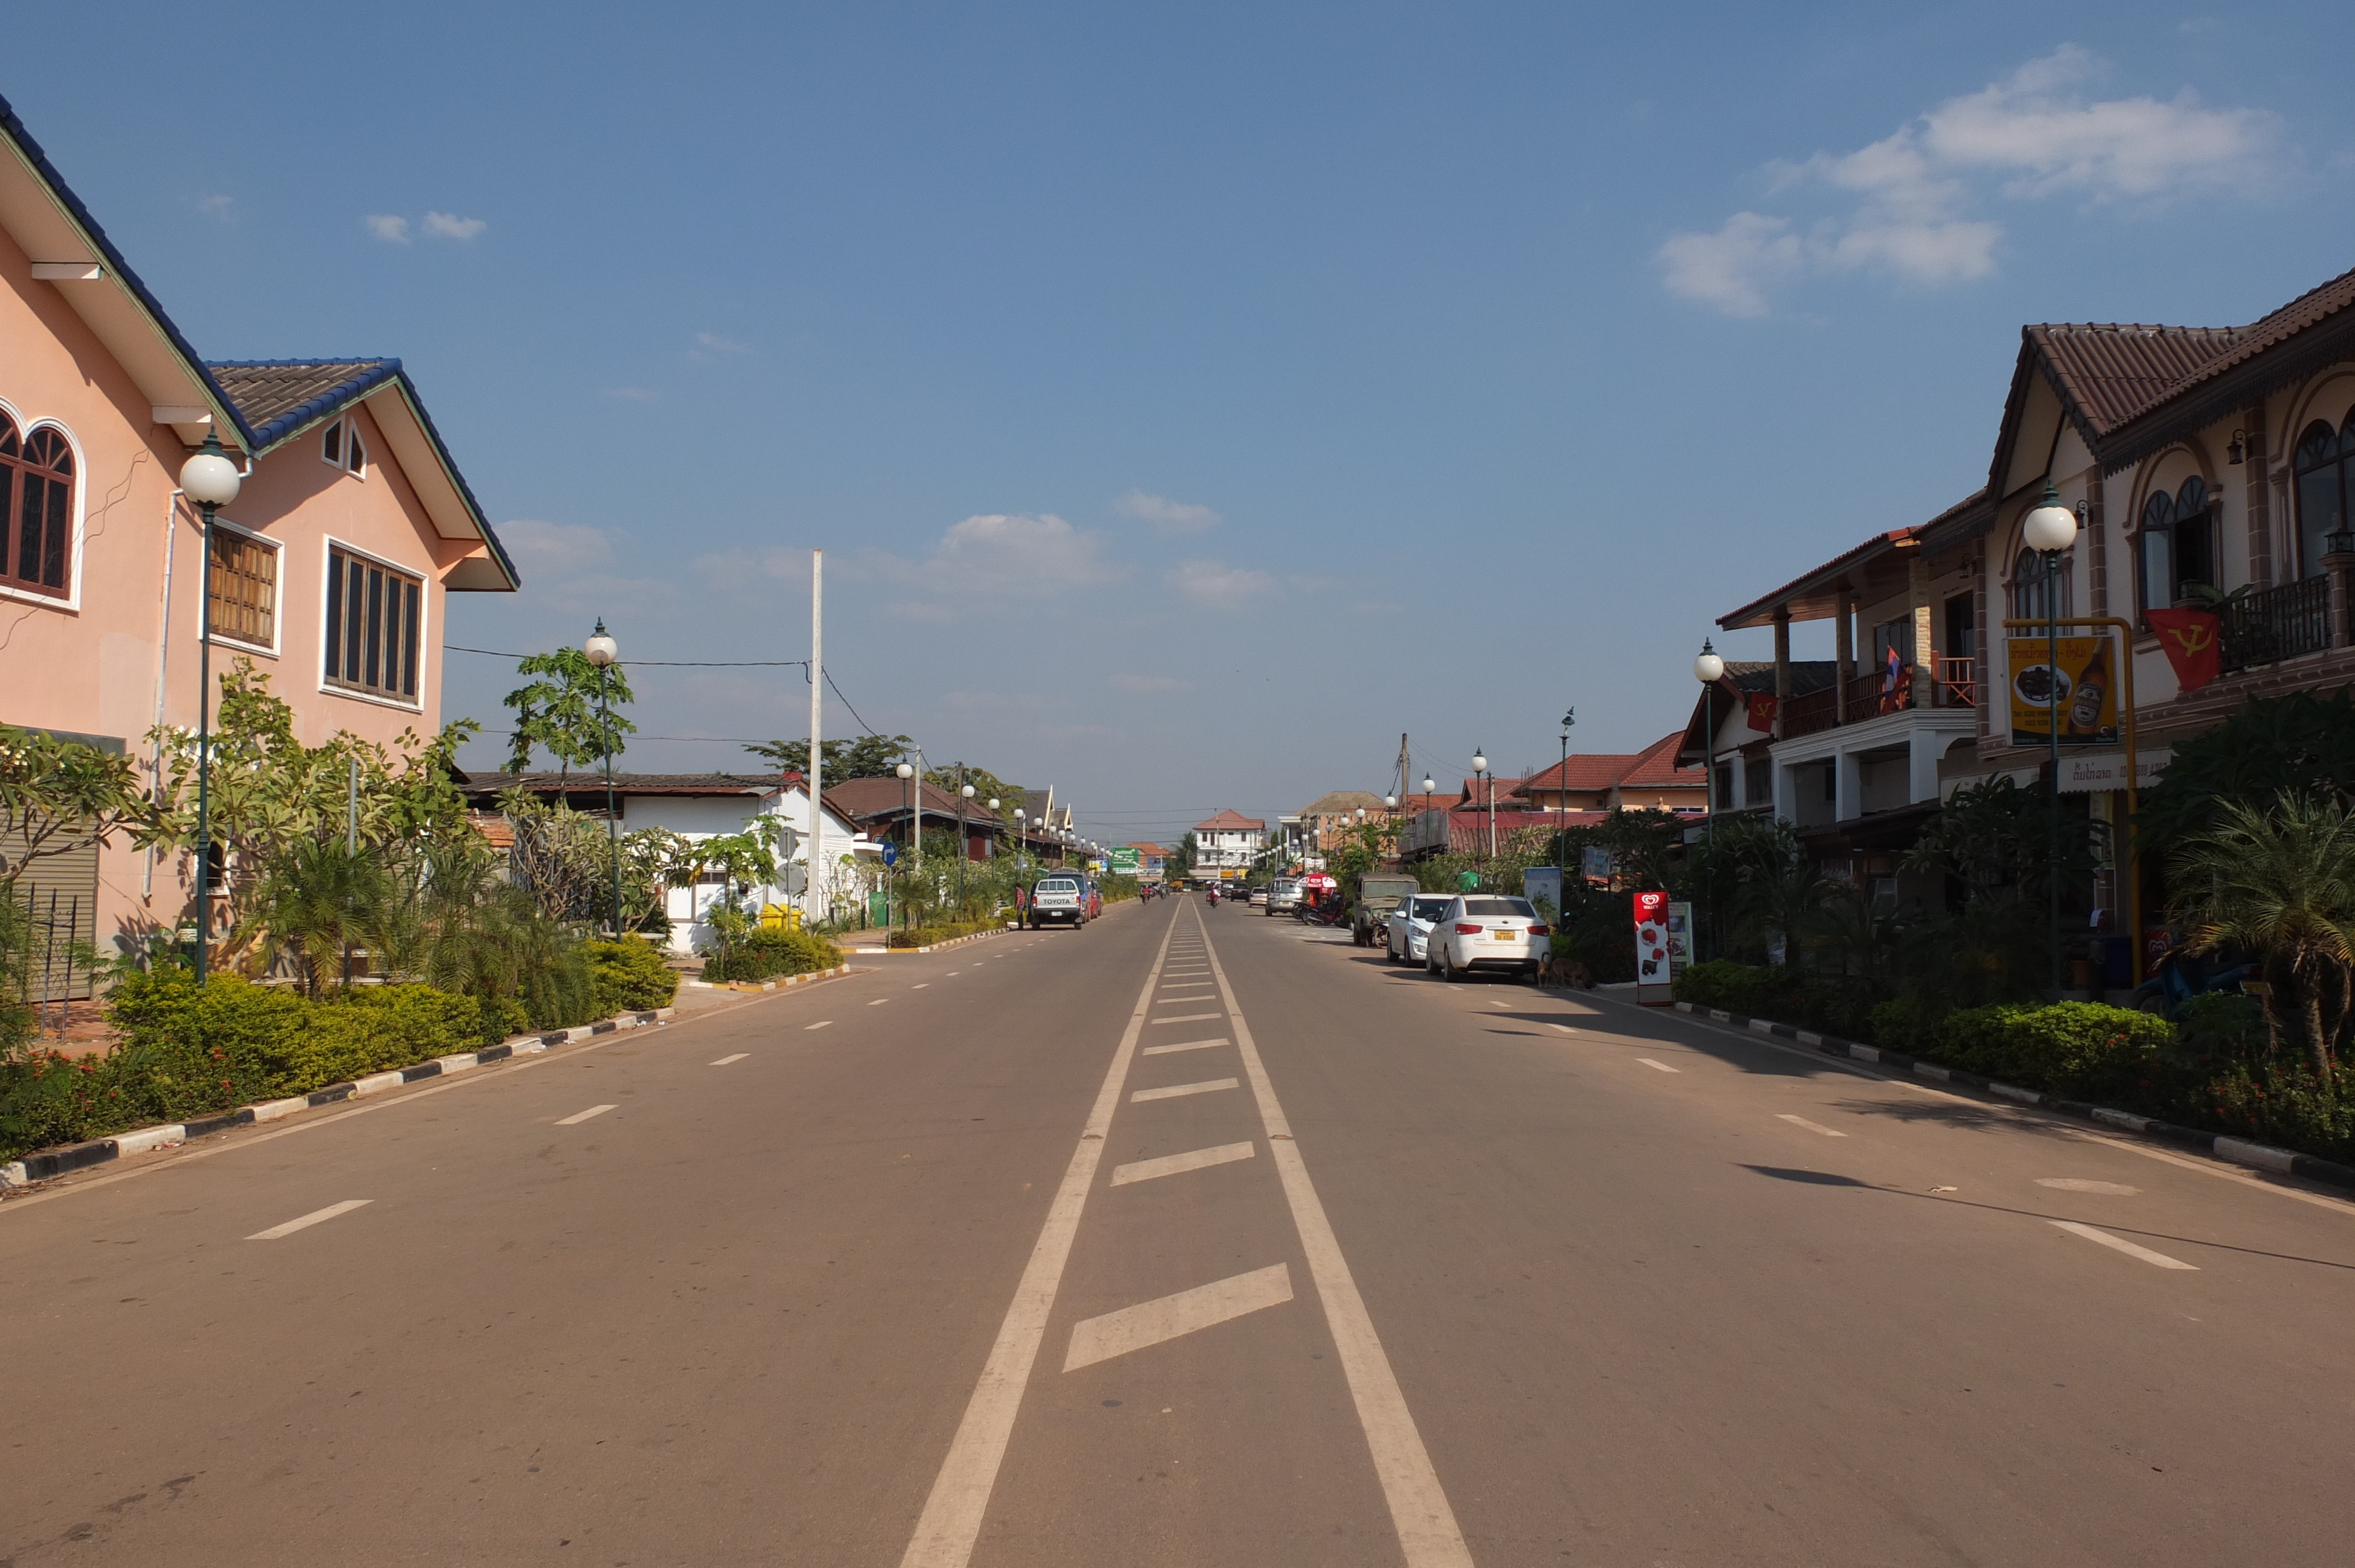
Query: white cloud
(215, 206)
(560, 549)
(388, 227)
(1146, 685)
(711, 345)
(1166, 516)
(448, 226)
(2024, 137)
(1217, 585)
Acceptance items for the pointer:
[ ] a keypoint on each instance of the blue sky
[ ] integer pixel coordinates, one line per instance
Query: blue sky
(1190, 401)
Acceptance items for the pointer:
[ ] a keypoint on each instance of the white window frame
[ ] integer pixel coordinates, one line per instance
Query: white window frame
(26, 426)
(348, 433)
(277, 612)
(330, 543)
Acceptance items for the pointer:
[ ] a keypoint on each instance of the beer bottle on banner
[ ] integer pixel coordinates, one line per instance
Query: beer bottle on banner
(2092, 687)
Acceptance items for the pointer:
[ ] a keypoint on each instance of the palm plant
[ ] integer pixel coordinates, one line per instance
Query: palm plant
(317, 901)
(2280, 884)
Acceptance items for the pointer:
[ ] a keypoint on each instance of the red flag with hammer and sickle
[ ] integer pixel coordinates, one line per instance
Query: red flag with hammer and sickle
(2189, 638)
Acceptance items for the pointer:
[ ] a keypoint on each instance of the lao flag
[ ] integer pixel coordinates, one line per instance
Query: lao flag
(1890, 672)
(2190, 638)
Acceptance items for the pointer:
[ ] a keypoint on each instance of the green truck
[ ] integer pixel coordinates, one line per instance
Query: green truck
(1377, 896)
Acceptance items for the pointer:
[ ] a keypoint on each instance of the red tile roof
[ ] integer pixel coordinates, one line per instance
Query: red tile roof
(1656, 769)
(1653, 767)
(1230, 821)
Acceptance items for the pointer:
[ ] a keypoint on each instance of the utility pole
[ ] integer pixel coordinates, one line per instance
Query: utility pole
(817, 708)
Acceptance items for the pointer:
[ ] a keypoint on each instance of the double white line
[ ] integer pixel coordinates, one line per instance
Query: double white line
(953, 1513)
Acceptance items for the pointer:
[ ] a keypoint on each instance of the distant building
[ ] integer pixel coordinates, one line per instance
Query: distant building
(1228, 844)
(1646, 780)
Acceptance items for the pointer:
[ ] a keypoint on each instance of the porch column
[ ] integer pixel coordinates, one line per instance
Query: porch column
(1843, 653)
(1782, 679)
(2340, 566)
(1847, 786)
(1786, 792)
(1917, 595)
(1924, 748)
(2258, 502)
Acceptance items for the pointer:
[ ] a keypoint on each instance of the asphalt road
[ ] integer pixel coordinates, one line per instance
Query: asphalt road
(899, 1268)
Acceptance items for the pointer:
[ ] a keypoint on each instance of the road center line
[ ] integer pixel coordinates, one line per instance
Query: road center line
(951, 1521)
(576, 1117)
(1177, 1164)
(1187, 1045)
(1428, 1534)
(315, 1215)
(1810, 1126)
(1147, 1323)
(1664, 1067)
(725, 1060)
(1209, 1086)
(2120, 1243)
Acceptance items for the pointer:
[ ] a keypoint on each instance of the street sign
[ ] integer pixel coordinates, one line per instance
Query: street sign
(890, 854)
(1125, 861)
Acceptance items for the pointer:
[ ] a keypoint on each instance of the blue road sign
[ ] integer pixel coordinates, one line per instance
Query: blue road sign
(890, 854)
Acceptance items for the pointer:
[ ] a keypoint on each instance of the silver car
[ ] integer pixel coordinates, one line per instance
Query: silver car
(1408, 927)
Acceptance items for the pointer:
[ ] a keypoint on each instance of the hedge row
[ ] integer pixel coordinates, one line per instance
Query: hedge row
(768, 955)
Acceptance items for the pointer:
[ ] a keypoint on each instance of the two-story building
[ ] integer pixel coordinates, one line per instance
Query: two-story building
(1228, 844)
(330, 571)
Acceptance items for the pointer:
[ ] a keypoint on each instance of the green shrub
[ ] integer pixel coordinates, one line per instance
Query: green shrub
(1906, 1023)
(2082, 1049)
(630, 975)
(765, 954)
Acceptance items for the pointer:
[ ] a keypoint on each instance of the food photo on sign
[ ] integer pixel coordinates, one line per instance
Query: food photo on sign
(1653, 965)
(2074, 680)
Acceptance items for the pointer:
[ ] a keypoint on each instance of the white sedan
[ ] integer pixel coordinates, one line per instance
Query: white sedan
(1485, 931)
(1409, 924)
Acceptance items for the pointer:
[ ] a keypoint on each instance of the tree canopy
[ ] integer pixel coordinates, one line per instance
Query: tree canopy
(558, 711)
(868, 757)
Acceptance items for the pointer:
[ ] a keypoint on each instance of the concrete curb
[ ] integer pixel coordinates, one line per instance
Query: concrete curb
(50, 1162)
(2234, 1150)
(938, 947)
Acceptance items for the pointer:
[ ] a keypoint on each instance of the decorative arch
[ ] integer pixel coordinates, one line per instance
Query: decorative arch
(38, 518)
(2176, 528)
(2322, 485)
(2024, 580)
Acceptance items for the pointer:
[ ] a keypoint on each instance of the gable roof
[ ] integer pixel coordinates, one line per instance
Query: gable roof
(882, 799)
(1654, 767)
(1657, 767)
(280, 399)
(69, 249)
(1340, 802)
(1230, 821)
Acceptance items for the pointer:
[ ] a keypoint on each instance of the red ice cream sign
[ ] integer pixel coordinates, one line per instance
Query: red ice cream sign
(1651, 938)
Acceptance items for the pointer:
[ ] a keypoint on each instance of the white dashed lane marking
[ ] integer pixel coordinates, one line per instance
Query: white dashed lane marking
(821, 1024)
(1175, 1164)
(1664, 1067)
(1147, 1323)
(576, 1117)
(313, 1218)
(725, 1060)
(1209, 1086)
(1810, 1126)
(2120, 1243)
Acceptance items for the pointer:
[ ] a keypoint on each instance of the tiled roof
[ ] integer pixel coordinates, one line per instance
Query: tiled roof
(1230, 821)
(877, 799)
(1337, 801)
(1809, 595)
(1584, 771)
(1655, 768)
(1651, 768)
(278, 396)
(2109, 372)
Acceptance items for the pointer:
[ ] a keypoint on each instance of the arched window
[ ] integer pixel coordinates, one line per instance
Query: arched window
(2325, 461)
(2178, 543)
(2028, 602)
(36, 510)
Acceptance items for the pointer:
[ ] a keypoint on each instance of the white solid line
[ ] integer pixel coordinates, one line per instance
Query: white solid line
(1209, 1086)
(1664, 1067)
(1134, 1327)
(1810, 1126)
(725, 1060)
(1175, 1164)
(1190, 1018)
(1188, 1045)
(951, 1521)
(821, 1024)
(313, 1218)
(2156, 1259)
(1428, 1534)
(579, 1117)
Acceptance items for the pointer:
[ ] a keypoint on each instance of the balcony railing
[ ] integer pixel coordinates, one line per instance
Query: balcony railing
(1954, 683)
(2279, 623)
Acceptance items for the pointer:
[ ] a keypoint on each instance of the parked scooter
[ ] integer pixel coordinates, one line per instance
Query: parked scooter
(2181, 976)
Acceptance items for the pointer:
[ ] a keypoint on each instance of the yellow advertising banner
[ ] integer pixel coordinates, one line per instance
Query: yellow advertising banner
(2086, 698)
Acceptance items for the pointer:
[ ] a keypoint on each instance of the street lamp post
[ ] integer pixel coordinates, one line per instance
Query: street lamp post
(915, 834)
(1479, 777)
(2051, 530)
(1709, 668)
(964, 797)
(602, 651)
(211, 481)
(1561, 801)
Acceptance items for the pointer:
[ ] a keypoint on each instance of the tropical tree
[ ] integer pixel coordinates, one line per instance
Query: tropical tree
(868, 757)
(2280, 884)
(59, 796)
(319, 901)
(566, 710)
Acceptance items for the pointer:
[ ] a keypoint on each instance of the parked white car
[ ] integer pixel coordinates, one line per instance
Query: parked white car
(1408, 927)
(1486, 932)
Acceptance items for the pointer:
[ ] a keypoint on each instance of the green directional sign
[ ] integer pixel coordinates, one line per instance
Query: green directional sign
(1124, 861)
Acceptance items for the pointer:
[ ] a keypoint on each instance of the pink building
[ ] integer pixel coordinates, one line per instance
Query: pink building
(329, 570)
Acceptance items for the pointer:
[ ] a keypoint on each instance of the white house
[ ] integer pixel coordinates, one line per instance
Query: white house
(1228, 844)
